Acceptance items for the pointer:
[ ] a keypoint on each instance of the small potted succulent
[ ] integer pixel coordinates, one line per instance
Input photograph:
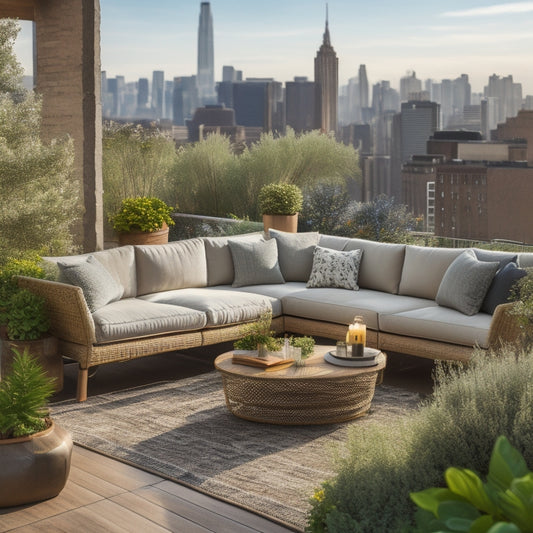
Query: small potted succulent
(142, 220)
(35, 452)
(279, 203)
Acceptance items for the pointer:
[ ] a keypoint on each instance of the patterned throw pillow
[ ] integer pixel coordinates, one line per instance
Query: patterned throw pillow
(333, 268)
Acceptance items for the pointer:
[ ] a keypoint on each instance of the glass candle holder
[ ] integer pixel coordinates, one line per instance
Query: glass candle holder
(341, 349)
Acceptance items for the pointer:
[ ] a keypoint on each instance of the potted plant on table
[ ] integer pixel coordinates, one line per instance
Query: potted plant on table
(279, 203)
(35, 452)
(142, 220)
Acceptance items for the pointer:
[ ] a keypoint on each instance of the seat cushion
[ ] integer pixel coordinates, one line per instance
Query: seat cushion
(439, 324)
(98, 285)
(381, 264)
(424, 268)
(176, 265)
(341, 305)
(465, 283)
(221, 307)
(133, 317)
(295, 253)
(255, 263)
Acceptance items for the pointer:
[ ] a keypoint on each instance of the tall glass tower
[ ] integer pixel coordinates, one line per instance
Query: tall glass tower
(206, 62)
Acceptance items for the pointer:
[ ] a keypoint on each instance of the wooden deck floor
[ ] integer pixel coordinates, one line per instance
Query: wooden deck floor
(104, 495)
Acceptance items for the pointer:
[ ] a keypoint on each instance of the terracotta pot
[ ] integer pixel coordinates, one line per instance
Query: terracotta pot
(144, 237)
(287, 223)
(34, 468)
(44, 350)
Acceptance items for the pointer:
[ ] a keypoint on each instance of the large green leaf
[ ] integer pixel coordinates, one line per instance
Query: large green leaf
(504, 527)
(506, 463)
(517, 503)
(458, 515)
(430, 499)
(467, 484)
(482, 524)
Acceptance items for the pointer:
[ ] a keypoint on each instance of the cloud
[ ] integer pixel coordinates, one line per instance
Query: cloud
(498, 9)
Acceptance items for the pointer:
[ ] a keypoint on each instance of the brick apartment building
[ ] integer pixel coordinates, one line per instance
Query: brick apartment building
(482, 190)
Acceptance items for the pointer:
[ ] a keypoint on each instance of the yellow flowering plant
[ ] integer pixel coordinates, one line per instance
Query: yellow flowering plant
(142, 214)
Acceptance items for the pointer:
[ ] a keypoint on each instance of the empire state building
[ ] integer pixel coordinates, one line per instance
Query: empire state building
(327, 85)
(206, 68)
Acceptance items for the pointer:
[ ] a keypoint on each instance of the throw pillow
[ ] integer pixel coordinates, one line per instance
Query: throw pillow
(98, 285)
(295, 253)
(503, 258)
(333, 268)
(465, 283)
(255, 263)
(500, 289)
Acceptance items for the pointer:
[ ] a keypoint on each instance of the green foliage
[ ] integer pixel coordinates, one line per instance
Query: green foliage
(203, 179)
(142, 214)
(27, 316)
(522, 296)
(14, 266)
(307, 344)
(38, 192)
(381, 220)
(135, 162)
(470, 408)
(211, 179)
(24, 393)
(325, 209)
(258, 332)
(468, 504)
(280, 199)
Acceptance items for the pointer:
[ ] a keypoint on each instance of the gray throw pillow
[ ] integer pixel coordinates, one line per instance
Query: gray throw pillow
(503, 258)
(98, 285)
(333, 268)
(465, 283)
(500, 289)
(295, 253)
(255, 263)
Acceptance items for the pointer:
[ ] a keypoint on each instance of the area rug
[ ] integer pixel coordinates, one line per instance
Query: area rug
(183, 431)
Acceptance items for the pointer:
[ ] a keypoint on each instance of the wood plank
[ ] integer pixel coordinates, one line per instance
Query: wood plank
(196, 504)
(22, 9)
(159, 514)
(93, 483)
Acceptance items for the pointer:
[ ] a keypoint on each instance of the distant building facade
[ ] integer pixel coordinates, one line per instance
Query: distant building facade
(206, 56)
(300, 106)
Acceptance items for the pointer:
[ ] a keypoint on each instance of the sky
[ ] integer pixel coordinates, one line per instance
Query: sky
(279, 38)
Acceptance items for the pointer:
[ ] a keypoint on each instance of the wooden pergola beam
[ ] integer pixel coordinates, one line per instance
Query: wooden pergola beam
(21, 9)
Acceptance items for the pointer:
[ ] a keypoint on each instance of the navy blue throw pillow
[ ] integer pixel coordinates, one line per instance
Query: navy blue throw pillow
(500, 288)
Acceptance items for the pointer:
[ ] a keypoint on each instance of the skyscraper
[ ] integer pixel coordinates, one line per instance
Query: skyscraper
(327, 84)
(158, 91)
(206, 63)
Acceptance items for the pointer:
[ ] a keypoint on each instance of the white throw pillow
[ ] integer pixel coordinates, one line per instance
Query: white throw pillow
(333, 268)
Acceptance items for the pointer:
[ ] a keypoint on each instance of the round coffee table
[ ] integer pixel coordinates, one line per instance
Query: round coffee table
(317, 393)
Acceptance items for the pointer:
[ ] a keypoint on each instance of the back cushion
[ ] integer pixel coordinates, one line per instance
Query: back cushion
(424, 268)
(333, 241)
(164, 267)
(119, 262)
(525, 259)
(295, 253)
(219, 260)
(381, 266)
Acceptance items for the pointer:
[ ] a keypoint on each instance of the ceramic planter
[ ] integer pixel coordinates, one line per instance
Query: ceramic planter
(288, 223)
(144, 237)
(35, 467)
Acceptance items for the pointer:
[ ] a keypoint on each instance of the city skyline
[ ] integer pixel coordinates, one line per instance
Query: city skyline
(475, 37)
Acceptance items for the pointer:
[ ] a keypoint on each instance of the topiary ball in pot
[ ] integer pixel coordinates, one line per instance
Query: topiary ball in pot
(279, 204)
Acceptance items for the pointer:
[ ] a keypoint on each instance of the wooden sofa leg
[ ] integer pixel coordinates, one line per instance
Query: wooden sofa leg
(83, 378)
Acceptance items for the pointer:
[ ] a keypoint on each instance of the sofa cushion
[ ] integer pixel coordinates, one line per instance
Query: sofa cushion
(424, 268)
(341, 305)
(119, 262)
(333, 241)
(176, 265)
(132, 318)
(525, 260)
(334, 268)
(295, 253)
(98, 285)
(465, 283)
(255, 263)
(439, 324)
(218, 255)
(490, 256)
(381, 265)
(221, 307)
(500, 289)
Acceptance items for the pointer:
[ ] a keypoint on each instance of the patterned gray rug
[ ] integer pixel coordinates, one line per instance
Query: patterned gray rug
(183, 431)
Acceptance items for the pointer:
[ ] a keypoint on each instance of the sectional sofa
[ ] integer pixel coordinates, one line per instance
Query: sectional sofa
(134, 301)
